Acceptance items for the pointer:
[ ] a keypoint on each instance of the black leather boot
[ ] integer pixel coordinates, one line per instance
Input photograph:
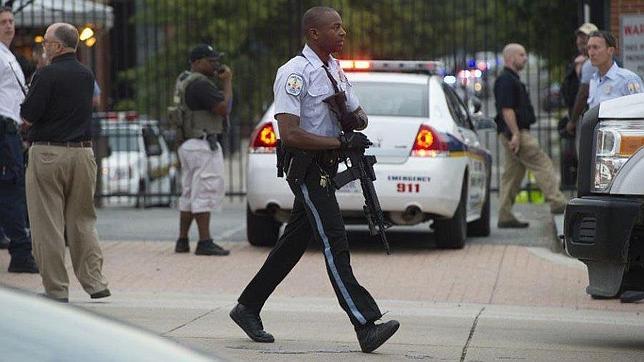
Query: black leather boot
(372, 336)
(207, 247)
(24, 264)
(250, 322)
(182, 246)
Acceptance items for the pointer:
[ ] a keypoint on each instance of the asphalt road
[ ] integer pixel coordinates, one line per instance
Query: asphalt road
(229, 224)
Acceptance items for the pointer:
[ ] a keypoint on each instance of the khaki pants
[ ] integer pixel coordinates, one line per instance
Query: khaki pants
(532, 158)
(60, 191)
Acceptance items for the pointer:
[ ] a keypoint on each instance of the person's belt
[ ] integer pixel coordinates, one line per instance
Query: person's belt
(7, 126)
(81, 144)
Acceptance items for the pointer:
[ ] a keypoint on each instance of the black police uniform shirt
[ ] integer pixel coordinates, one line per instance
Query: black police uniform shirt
(202, 95)
(59, 102)
(510, 92)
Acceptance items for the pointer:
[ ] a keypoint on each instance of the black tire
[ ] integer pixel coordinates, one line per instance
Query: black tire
(451, 233)
(261, 230)
(481, 227)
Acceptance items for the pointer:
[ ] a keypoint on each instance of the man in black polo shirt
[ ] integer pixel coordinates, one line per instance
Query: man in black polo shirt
(61, 174)
(515, 114)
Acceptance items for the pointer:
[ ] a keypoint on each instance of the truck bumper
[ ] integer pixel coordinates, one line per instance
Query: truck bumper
(598, 232)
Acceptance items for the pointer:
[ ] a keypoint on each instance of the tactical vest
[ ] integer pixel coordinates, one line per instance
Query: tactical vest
(194, 124)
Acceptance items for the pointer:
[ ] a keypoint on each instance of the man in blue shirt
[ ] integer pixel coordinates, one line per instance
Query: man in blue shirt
(610, 81)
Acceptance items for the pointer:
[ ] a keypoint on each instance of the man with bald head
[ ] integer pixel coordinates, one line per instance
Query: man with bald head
(61, 175)
(312, 134)
(515, 114)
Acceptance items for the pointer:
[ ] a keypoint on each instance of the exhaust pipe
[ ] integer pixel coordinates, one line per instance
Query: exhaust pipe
(411, 216)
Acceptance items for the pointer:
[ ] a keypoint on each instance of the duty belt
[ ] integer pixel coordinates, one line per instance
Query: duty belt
(328, 157)
(82, 144)
(7, 126)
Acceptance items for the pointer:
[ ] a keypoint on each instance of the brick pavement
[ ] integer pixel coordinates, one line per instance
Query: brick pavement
(480, 273)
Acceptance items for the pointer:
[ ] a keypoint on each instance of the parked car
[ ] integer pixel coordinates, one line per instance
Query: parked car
(38, 329)
(138, 168)
(430, 163)
(604, 224)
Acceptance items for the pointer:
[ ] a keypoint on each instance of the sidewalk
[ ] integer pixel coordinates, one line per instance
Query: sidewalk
(489, 301)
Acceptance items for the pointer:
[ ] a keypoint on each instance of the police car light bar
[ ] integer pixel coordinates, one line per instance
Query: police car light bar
(411, 66)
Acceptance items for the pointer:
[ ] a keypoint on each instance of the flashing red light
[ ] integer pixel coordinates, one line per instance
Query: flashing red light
(264, 139)
(427, 142)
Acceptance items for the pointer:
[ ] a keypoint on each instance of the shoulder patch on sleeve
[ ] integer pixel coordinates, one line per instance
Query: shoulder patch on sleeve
(633, 86)
(294, 84)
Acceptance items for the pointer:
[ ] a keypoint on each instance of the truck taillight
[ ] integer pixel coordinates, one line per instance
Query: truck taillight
(428, 142)
(264, 139)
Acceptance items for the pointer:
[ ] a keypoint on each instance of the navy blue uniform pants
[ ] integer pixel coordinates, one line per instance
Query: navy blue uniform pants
(315, 212)
(13, 205)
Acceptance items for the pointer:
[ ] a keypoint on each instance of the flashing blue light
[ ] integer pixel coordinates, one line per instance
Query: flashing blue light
(471, 63)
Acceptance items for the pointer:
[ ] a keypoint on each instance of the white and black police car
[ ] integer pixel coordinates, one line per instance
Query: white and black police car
(604, 224)
(430, 162)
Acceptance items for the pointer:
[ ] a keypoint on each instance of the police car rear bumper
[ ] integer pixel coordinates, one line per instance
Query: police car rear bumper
(434, 186)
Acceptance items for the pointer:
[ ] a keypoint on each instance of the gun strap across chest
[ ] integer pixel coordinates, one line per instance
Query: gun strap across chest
(334, 83)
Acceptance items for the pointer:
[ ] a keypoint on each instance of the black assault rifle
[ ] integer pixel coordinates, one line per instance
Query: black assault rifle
(361, 167)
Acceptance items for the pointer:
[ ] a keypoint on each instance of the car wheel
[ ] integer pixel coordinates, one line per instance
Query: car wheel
(450, 233)
(481, 227)
(262, 230)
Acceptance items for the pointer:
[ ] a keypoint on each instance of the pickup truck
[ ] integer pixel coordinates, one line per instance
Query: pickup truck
(604, 224)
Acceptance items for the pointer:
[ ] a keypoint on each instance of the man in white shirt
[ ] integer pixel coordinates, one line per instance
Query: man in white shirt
(12, 174)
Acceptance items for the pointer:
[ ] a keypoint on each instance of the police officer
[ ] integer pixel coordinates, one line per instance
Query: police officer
(13, 207)
(610, 81)
(312, 132)
(202, 111)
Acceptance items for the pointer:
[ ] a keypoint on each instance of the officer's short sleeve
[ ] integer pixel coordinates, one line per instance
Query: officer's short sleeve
(504, 93)
(587, 71)
(633, 85)
(352, 99)
(289, 89)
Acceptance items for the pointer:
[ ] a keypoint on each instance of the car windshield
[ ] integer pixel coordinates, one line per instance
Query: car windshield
(122, 139)
(392, 99)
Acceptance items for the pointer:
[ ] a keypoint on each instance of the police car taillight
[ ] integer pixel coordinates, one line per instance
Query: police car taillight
(264, 139)
(428, 142)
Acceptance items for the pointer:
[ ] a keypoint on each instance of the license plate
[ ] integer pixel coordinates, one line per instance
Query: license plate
(352, 187)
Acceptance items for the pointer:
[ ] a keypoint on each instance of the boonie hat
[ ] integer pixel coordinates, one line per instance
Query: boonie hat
(586, 28)
(204, 51)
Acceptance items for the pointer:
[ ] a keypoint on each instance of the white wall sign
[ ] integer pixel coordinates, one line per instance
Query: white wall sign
(632, 42)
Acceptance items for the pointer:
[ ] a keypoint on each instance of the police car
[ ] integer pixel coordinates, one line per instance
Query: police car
(604, 224)
(137, 168)
(431, 164)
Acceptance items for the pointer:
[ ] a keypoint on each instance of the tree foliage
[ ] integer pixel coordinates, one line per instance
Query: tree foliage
(258, 36)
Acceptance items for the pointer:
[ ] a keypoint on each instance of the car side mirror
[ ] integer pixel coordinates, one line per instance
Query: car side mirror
(482, 122)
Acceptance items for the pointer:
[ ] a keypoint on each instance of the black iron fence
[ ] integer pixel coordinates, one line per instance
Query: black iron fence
(138, 47)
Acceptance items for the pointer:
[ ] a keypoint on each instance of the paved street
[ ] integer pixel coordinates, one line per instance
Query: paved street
(506, 297)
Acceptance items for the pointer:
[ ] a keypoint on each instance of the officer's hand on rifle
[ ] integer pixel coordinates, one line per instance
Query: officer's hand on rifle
(350, 121)
(354, 140)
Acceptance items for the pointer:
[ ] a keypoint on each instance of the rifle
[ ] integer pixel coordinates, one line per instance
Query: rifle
(362, 168)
